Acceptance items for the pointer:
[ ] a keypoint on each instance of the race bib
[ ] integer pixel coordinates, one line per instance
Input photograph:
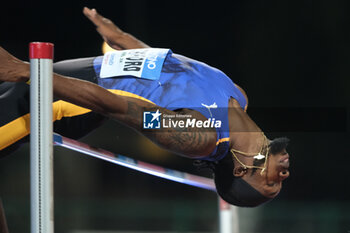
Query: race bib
(141, 63)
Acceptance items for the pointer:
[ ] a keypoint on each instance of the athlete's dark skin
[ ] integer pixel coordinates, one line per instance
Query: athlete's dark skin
(245, 135)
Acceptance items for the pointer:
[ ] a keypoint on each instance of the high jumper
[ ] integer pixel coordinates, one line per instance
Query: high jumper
(137, 80)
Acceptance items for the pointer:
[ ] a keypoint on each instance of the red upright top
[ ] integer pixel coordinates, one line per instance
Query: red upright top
(39, 50)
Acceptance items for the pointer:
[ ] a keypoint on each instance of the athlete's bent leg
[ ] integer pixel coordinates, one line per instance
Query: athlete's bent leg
(14, 107)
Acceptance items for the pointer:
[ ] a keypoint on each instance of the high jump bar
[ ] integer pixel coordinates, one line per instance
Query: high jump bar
(170, 174)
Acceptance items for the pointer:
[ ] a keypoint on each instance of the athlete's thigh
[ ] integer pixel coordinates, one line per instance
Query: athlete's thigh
(81, 68)
(80, 125)
(14, 101)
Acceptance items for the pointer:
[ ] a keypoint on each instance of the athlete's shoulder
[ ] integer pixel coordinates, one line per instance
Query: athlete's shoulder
(243, 93)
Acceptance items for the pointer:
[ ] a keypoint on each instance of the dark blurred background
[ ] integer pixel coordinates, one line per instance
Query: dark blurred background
(291, 57)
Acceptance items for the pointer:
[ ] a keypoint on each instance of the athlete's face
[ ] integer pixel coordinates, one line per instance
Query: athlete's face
(269, 183)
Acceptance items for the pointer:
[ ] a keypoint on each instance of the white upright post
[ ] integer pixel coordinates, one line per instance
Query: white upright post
(41, 139)
(228, 217)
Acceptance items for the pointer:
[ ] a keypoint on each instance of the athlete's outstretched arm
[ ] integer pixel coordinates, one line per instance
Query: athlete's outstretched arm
(113, 35)
(190, 142)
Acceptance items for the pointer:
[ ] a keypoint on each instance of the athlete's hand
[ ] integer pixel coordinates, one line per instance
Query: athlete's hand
(113, 35)
(12, 69)
(107, 29)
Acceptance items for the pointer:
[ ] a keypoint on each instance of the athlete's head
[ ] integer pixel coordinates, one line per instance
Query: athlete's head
(247, 181)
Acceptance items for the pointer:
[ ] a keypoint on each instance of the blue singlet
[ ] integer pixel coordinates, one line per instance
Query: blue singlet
(185, 83)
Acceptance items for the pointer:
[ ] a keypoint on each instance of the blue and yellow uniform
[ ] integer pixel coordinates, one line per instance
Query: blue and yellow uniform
(183, 83)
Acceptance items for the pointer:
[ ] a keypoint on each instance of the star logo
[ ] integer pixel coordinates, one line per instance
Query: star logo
(151, 120)
(156, 115)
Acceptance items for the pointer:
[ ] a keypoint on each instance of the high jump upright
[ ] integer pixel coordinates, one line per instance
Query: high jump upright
(41, 139)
